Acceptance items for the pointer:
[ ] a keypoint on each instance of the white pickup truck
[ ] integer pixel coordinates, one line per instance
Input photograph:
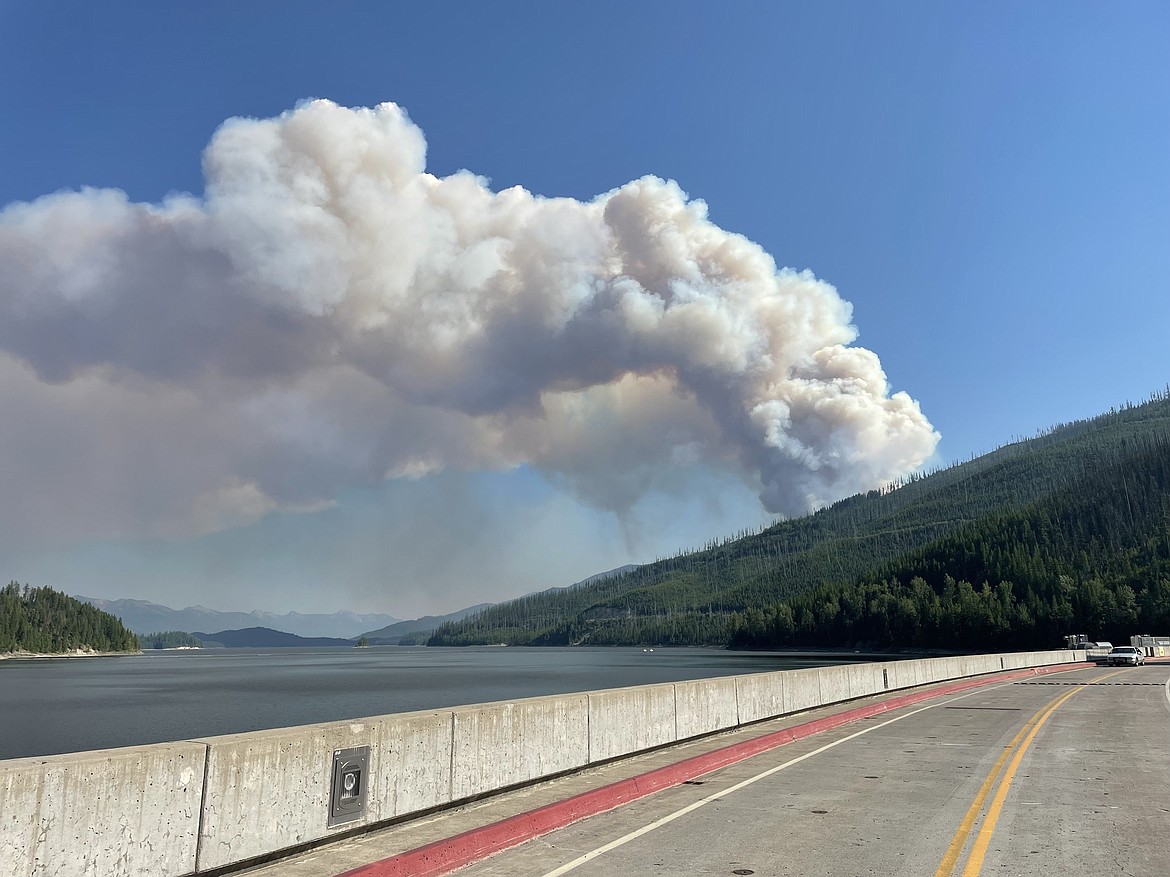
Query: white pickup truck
(1125, 655)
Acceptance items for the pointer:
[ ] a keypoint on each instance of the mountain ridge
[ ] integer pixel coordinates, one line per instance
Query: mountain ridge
(266, 637)
(393, 634)
(143, 616)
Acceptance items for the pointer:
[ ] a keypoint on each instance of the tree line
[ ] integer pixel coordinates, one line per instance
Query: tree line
(43, 620)
(168, 639)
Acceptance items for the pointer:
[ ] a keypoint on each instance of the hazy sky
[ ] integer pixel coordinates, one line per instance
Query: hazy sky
(404, 307)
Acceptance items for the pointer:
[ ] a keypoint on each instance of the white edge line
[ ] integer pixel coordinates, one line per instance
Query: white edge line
(670, 817)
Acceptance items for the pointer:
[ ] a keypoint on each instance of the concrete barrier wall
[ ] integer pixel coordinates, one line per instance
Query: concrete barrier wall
(761, 696)
(913, 673)
(802, 690)
(176, 809)
(894, 677)
(833, 683)
(269, 790)
(498, 745)
(865, 679)
(705, 706)
(132, 812)
(626, 720)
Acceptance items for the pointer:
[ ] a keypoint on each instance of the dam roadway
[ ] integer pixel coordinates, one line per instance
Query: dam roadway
(1063, 773)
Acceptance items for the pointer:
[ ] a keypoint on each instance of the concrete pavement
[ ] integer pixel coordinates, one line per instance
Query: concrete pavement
(885, 795)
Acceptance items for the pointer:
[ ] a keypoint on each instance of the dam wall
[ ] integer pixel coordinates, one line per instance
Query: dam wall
(183, 808)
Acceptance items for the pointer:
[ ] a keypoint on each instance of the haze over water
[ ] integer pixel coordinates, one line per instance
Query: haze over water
(75, 704)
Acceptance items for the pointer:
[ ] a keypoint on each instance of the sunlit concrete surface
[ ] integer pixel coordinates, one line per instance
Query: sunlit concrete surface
(1089, 795)
(886, 795)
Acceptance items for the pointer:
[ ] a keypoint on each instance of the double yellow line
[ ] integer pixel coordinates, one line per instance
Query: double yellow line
(1015, 750)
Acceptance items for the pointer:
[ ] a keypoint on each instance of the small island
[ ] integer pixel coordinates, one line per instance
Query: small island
(38, 622)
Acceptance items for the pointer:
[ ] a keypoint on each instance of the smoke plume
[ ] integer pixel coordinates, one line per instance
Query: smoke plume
(328, 314)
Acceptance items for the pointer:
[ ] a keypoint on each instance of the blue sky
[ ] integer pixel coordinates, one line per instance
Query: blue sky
(987, 185)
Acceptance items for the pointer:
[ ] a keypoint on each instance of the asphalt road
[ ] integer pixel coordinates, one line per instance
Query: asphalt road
(1065, 774)
(1060, 774)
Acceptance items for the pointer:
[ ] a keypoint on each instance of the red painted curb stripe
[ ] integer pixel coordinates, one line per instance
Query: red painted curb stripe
(479, 843)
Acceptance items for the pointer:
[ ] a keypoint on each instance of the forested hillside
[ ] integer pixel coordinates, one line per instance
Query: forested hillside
(42, 620)
(1094, 557)
(1007, 503)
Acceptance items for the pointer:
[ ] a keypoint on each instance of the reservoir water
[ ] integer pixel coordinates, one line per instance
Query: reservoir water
(56, 705)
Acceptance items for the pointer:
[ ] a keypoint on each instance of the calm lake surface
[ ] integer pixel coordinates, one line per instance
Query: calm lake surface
(56, 705)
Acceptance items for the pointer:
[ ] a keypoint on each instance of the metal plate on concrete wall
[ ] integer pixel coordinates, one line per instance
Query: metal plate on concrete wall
(351, 775)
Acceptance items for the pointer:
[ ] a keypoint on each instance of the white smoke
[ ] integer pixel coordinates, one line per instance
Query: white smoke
(328, 314)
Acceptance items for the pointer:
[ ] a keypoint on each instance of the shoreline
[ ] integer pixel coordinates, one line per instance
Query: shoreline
(75, 653)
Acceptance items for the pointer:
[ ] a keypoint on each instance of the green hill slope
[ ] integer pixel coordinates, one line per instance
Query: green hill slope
(1092, 556)
(705, 596)
(42, 620)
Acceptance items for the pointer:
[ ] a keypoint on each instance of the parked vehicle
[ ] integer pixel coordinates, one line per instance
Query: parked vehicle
(1125, 655)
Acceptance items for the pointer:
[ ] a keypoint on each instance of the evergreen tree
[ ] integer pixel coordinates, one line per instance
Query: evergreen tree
(45, 621)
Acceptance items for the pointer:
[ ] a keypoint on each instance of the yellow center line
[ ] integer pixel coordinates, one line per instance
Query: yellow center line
(983, 838)
(951, 857)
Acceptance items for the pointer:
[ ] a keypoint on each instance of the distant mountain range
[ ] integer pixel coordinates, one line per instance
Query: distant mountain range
(259, 629)
(392, 634)
(142, 616)
(265, 638)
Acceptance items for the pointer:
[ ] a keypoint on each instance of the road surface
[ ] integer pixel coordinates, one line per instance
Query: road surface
(1067, 773)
